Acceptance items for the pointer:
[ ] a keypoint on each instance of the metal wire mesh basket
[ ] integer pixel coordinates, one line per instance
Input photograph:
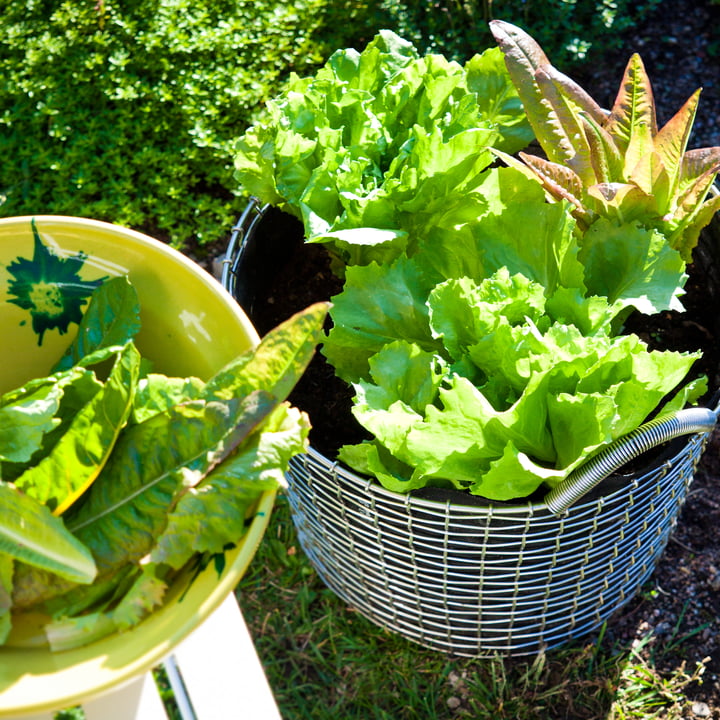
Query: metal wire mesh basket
(472, 578)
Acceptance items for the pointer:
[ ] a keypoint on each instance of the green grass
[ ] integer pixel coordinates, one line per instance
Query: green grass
(324, 660)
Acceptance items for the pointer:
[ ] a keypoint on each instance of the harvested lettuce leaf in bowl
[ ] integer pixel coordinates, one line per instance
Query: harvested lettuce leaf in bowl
(141, 447)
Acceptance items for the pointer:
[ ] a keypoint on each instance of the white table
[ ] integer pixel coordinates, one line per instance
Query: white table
(215, 674)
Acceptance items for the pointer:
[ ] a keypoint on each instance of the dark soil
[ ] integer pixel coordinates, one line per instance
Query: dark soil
(680, 605)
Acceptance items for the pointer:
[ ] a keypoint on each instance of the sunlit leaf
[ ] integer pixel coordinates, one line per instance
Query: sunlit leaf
(80, 454)
(633, 111)
(30, 533)
(111, 318)
(672, 139)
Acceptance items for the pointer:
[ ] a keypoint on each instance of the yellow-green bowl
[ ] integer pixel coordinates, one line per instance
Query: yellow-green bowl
(191, 326)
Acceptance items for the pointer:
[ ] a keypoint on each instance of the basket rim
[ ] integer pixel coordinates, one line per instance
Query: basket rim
(371, 487)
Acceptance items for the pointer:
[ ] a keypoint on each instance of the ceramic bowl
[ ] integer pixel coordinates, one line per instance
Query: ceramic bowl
(191, 326)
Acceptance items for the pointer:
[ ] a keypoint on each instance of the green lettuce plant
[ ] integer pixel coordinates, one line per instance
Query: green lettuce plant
(480, 324)
(376, 145)
(614, 164)
(489, 382)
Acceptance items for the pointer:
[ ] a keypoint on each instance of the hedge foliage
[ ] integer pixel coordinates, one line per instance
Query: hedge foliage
(127, 110)
(568, 30)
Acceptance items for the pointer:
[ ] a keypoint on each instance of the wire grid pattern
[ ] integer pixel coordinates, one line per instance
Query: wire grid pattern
(485, 580)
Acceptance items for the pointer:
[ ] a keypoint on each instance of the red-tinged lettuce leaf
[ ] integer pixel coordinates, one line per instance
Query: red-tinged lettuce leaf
(111, 318)
(696, 193)
(79, 455)
(621, 203)
(226, 497)
(632, 118)
(523, 56)
(697, 163)
(554, 121)
(605, 156)
(565, 141)
(277, 363)
(30, 533)
(561, 182)
(652, 177)
(686, 228)
(672, 139)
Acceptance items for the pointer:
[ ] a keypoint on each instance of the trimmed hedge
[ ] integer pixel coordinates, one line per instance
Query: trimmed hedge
(127, 111)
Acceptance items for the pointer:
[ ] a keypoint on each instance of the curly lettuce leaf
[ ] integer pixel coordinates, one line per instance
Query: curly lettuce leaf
(524, 400)
(647, 273)
(380, 139)
(364, 322)
(505, 222)
(499, 100)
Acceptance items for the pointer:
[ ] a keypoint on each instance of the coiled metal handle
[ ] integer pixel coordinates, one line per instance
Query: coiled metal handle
(626, 448)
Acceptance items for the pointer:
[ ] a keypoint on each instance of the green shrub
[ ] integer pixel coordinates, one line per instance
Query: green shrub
(566, 29)
(127, 111)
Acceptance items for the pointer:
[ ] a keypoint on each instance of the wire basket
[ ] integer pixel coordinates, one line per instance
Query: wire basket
(471, 578)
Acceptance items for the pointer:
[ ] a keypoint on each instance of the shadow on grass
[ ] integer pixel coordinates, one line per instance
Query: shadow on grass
(324, 660)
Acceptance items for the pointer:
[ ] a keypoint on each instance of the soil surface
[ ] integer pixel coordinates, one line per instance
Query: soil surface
(680, 605)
